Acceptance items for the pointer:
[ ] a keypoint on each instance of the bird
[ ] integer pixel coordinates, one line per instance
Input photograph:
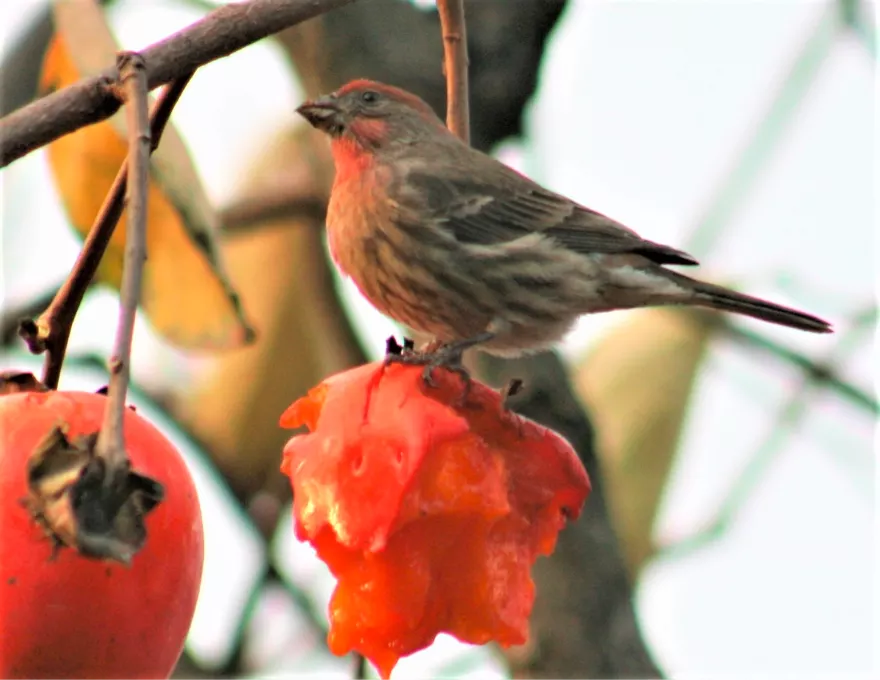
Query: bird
(458, 246)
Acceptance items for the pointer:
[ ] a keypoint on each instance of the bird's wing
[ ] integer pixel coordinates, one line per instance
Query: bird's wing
(511, 206)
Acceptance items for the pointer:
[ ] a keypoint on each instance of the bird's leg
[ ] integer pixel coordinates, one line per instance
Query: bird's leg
(446, 356)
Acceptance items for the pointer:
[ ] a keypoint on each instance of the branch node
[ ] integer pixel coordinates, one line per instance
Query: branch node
(108, 86)
(128, 64)
(29, 331)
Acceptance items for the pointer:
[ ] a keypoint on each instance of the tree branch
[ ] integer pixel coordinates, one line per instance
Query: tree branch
(21, 63)
(51, 331)
(222, 32)
(132, 73)
(819, 372)
(455, 66)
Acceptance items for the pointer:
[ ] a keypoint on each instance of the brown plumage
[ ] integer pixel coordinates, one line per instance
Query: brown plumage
(447, 240)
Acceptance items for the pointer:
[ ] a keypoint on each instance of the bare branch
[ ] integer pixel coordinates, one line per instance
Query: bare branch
(455, 66)
(51, 331)
(222, 32)
(132, 73)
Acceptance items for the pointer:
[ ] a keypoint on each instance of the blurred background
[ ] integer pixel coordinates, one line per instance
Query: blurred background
(733, 527)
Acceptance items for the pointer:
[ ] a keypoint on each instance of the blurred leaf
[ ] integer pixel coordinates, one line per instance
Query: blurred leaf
(636, 384)
(186, 293)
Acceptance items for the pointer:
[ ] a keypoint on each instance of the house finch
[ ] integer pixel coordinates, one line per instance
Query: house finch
(452, 243)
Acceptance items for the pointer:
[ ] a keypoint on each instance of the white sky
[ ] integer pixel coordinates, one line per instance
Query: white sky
(642, 110)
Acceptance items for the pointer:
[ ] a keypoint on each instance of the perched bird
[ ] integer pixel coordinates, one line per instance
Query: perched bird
(452, 243)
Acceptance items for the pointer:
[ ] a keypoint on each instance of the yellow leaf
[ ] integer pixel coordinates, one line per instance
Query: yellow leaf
(186, 294)
(636, 384)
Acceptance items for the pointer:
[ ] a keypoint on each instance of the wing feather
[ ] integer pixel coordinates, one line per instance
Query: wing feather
(514, 206)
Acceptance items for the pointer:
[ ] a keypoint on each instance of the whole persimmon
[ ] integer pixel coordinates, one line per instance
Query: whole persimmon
(67, 615)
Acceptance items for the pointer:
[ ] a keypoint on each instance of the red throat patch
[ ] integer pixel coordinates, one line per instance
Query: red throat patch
(369, 130)
(353, 152)
(349, 157)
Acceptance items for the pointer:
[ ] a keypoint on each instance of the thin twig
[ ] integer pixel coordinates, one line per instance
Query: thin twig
(51, 331)
(225, 30)
(455, 67)
(819, 372)
(132, 74)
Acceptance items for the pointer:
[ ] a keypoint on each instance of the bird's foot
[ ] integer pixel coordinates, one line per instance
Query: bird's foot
(447, 356)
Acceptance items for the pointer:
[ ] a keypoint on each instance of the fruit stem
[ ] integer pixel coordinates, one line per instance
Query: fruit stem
(133, 78)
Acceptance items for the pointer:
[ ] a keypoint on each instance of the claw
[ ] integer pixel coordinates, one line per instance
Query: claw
(392, 348)
(447, 356)
(511, 389)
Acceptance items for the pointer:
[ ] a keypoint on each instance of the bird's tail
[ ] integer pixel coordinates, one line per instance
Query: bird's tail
(724, 299)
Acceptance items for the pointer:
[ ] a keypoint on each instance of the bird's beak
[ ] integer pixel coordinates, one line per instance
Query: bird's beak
(323, 113)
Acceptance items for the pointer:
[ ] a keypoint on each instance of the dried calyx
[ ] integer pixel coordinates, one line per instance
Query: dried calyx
(82, 501)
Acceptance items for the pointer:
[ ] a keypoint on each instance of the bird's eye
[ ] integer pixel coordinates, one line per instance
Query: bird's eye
(369, 97)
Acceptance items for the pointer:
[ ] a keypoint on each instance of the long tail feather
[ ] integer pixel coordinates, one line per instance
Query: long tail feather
(717, 297)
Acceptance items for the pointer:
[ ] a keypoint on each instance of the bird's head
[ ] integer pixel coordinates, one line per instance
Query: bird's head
(372, 115)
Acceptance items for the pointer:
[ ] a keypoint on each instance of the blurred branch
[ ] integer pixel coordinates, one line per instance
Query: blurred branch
(111, 442)
(51, 331)
(858, 16)
(222, 32)
(746, 169)
(455, 67)
(818, 372)
(360, 666)
(23, 61)
(780, 427)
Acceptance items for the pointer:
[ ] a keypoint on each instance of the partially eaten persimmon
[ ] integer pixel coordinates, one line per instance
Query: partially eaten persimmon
(430, 511)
